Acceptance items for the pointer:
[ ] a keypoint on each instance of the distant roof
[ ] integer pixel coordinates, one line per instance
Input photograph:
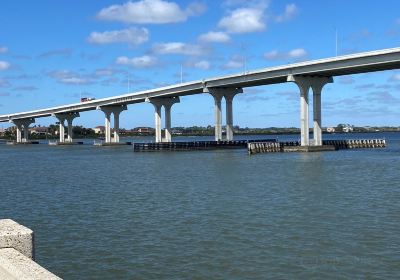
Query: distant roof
(39, 129)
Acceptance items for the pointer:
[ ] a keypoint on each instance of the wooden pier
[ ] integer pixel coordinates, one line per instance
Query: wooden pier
(327, 145)
(22, 143)
(196, 145)
(58, 143)
(108, 144)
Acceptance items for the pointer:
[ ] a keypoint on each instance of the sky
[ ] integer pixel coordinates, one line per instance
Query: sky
(55, 52)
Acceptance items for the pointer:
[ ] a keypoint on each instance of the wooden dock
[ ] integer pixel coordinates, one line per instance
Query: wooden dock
(327, 145)
(195, 145)
(22, 143)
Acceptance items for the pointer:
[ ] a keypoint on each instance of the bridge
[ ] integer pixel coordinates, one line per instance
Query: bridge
(307, 75)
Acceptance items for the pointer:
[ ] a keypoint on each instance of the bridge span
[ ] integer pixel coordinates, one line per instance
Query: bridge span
(306, 75)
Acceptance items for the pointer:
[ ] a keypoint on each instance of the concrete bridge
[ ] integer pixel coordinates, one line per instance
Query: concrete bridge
(308, 75)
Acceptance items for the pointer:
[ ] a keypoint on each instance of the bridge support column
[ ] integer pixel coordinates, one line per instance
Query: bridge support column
(61, 131)
(305, 83)
(158, 103)
(228, 94)
(23, 124)
(167, 103)
(61, 119)
(19, 133)
(218, 115)
(70, 133)
(116, 111)
(157, 117)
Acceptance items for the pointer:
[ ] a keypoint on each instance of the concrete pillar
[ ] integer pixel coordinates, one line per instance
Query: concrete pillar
(228, 93)
(317, 86)
(116, 127)
(229, 118)
(69, 117)
(116, 111)
(23, 124)
(158, 103)
(167, 103)
(304, 117)
(19, 133)
(157, 118)
(317, 130)
(26, 133)
(107, 126)
(62, 131)
(305, 83)
(217, 115)
(168, 137)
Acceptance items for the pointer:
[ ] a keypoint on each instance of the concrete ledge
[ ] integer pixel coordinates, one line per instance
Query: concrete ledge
(57, 143)
(14, 235)
(22, 143)
(14, 265)
(104, 144)
(17, 253)
(307, 149)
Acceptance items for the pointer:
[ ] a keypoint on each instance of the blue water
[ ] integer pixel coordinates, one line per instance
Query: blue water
(109, 213)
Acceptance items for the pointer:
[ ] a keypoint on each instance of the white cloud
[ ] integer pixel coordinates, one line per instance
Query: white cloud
(3, 49)
(243, 20)
(195, 9)
(214, 37)
(291, 11)
(4, 65)
(68, 77)
(149, 11)
(137, 62)
(346, 80)
(4, 83)
(73, 80)
(104, 72)
(179, 48)
(203, 65)
(297, 53)
(293, 54)
(133, 35)
(262, 4)
(235, 62)
(395, 78)
(60, 52)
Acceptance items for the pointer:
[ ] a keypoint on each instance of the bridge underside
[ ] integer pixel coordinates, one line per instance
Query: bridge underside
(306, 75)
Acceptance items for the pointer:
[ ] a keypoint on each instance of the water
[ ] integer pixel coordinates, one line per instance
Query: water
(109, 213)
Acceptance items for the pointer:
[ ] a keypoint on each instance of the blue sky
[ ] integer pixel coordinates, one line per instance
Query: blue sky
(54, 52)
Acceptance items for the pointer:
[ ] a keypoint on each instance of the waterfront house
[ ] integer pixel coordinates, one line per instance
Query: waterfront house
(143, 130)
(99, 129)
(39, 130)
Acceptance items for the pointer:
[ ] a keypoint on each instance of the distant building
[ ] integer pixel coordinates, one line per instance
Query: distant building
(330, 129)
(99, 129)
(2, 131)
(348, 128)
(143, 130)
(39, 130)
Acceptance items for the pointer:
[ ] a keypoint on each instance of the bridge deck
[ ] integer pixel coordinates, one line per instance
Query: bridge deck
(342, 65)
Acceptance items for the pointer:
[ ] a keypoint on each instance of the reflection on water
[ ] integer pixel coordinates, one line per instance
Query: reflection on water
(109, 213)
